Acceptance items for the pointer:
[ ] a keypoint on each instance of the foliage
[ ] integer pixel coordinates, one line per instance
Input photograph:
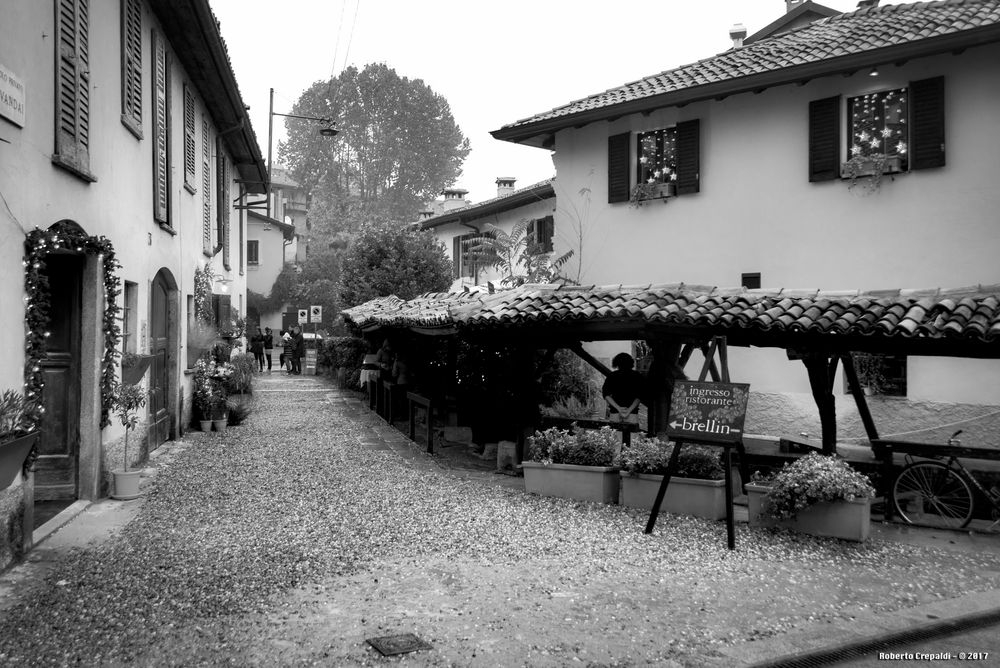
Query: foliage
(516, 257)
(317, 282)
(342, 351)
(869, 168)
(126, 400)
(652, 456)
(38, 244)
(814, 479)
(644, 192)
(569, 377)
(200, 336)
(398, 145)
(210, 380)
(203, 295)
(582, 447)
(573, 407)
(238, 412)
(240, 381)
(871, 371)
(14, 415)
(388, 259)
(282, 291)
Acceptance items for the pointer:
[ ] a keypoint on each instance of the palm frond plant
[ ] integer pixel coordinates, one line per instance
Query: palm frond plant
(516, 256)
(14, 418)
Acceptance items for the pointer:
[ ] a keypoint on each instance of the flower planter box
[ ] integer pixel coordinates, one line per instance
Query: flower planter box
(583, 483)
(12, 456)
(134, 374)
(847, 520)
(892, 165)
(685, 496)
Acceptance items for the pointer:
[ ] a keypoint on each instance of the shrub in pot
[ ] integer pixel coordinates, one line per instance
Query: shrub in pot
(17, 439)
(126, 400)
(697, 487)
(576, 464)
(817, 494)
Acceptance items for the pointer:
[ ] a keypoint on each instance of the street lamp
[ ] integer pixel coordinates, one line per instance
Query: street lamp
(326, 131)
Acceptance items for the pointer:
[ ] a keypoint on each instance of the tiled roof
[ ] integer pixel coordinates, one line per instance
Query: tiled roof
(534, 192)
(831, 43)
(968, 315)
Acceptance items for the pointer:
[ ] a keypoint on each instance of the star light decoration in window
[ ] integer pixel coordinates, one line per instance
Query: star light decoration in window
(878, 124)
(658, 156)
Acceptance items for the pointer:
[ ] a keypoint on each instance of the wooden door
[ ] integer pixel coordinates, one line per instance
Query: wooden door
(159, 373)
(56, 471)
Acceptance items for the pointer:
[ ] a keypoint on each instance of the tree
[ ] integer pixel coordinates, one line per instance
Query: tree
(316, 285)
(398, 146)
(390, 259)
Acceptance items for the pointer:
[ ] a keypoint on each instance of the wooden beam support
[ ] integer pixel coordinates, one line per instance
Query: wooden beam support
(589, 359)
(818, 367)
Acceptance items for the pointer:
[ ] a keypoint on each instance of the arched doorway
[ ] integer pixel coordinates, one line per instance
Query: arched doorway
(163, 339)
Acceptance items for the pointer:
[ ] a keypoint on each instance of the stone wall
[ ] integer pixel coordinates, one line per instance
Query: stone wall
(12, 511)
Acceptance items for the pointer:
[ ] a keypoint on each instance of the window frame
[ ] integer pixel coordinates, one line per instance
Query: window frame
(160, 72)
(253, 252)
(896, 162)
(190, 141)
(72, 88)
(131, 33)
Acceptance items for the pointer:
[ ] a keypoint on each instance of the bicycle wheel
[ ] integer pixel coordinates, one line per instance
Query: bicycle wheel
(931, 494)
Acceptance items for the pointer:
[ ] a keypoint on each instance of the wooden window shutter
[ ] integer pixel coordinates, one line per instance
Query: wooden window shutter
(927, 123)
(73, 84)
(132, 66)
(456, 256)
(190, 143)
(206, 188)
(223, 178)
(161, 139)
(223, 312)
(546, 231)
(689, 157)
(619, 172)
(824, 139)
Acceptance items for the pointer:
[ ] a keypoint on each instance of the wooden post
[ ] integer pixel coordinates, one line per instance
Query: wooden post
(818, 367)
(660, 382)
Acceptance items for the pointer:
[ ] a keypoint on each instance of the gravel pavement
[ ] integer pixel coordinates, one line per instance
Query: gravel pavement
(291, 539)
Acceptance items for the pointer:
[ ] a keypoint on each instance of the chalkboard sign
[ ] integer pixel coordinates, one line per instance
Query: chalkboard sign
(712, 412)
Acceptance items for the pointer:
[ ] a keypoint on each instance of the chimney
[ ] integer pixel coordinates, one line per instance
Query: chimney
(737, 33)
(505, 185)
(425, 214)
(454, 198)
(865, 4)
(792, 4)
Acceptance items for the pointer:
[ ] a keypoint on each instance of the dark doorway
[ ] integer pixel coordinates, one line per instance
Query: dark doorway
(57, 468)
(159, 378)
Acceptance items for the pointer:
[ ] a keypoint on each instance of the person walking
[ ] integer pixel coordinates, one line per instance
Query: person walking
(257, 348)
(268, 346)
(288, 348)
(298, 350)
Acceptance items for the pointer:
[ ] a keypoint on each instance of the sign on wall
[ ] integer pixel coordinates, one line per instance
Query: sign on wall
(708, 411)
(11, 97)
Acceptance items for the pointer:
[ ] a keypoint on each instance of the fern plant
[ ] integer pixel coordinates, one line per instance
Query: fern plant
(518, 259)
(13, 415)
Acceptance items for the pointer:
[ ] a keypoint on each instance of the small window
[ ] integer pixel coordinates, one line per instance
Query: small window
(129, 310)
(750, 281)
(539, 235)
(877, 125)
(253, 251)
(657, 157)
(883, 375)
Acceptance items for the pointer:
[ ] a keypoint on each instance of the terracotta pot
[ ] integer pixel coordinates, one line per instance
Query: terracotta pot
(220, 425)
(206, 425)
(13, 453)
(134, 374)
(126, 484)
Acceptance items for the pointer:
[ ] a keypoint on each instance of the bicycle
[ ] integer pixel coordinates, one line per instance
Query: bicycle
(939, 494)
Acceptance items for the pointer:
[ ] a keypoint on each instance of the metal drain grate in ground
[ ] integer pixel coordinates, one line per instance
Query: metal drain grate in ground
(398, 644)
(864, 648)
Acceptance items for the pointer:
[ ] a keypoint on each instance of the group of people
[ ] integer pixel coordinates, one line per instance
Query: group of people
(290, 342)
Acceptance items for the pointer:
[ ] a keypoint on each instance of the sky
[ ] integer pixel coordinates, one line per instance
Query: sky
(495, 62)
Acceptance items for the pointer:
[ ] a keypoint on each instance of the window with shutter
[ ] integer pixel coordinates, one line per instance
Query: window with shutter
(927, 123)
(689, 157)
(878, 126)
(824, 139)
(456, 257)
(222, 176)
(540, 233)
(253, 251)
(206, 188)
(132, 66)
(72, 145)
(161, 132)
(190, 143)
(618, 168)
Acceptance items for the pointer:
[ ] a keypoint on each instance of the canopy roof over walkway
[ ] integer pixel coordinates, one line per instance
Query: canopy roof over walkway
(962, 322)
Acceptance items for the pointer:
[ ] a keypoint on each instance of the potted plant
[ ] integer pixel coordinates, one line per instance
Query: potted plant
(871, 167)
(576, 464)
(220, 376)
(644, 192)
(209, 391)
(126, 400)
(696, 488)
(816, 494)
(17, 439)
(134, 367)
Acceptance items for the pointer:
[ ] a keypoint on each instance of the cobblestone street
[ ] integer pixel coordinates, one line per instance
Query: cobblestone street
(293, 538)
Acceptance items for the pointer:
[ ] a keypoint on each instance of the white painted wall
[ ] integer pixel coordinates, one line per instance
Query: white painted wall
(758, 212)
